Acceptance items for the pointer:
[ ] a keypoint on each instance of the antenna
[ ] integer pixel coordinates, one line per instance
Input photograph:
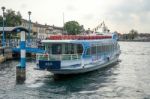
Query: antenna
(63, 22)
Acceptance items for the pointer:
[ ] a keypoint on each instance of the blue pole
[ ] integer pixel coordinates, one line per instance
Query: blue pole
(3, 39)
(23, 50)
(21, 68)
(29, 27)
(29, 31)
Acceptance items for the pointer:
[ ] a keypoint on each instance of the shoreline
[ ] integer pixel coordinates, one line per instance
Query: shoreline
(133, 41)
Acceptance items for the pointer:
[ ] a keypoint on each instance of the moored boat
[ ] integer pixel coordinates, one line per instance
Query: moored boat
(74, 54)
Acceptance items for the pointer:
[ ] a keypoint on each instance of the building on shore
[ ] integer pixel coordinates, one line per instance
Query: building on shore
(41, 31)
(137, 37)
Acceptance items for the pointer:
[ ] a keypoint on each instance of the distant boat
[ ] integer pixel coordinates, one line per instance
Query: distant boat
(74, 54)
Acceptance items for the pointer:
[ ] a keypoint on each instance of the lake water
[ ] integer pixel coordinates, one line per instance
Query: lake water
(127, 79)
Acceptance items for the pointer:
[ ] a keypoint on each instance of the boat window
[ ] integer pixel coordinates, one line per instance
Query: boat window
(72, 49)
(93, 50)
(66, 48)
(79, 49)
(48, 48)
(69, 49)
(88, 51)
(106, 48)
(56, 48)
(111, 48)
(98, 49)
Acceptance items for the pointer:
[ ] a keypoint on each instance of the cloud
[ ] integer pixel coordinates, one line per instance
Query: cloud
(130, 14)
(88, 17)
(23, 6)
(121, 15)
(71, 8)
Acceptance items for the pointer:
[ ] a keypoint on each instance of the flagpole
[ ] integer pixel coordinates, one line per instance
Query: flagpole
(63, 22)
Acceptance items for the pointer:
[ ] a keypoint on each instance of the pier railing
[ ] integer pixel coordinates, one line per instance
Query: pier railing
(58, 57)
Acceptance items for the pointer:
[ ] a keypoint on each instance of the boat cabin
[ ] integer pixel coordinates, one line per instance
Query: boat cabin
(71, 50)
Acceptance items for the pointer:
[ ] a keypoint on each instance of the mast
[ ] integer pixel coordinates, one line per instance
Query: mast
(101, 25)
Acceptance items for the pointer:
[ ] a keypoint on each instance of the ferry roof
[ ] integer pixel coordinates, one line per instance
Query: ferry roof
(79, 41)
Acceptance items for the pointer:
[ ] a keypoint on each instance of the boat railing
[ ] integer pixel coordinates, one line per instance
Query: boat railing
(58, 56)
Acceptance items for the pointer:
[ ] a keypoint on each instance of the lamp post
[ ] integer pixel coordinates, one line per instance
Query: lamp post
(29, 13)
(3, 37)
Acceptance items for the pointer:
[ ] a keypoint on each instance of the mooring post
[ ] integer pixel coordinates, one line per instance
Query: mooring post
(21, 68)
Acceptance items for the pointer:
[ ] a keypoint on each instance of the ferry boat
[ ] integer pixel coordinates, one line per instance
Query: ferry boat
(74, 54)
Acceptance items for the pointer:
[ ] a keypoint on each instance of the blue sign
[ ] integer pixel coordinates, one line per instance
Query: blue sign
(49, 64)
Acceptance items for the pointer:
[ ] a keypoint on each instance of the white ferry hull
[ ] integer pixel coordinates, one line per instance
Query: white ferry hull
(84, 69)
(79, 55)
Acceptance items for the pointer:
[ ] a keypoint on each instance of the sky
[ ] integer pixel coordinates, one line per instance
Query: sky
(118, 15)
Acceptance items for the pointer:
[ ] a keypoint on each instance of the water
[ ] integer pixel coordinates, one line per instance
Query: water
(127, 79)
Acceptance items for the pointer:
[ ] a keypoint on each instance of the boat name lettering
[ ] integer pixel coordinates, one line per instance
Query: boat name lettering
(48, 64)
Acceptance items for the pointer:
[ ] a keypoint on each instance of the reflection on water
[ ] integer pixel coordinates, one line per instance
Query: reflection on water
(127, 79)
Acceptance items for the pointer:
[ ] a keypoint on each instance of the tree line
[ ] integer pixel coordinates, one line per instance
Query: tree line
(133, 35)
(11, 18)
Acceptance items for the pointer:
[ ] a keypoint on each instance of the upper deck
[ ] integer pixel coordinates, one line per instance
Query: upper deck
(85, 40)
(78, 37)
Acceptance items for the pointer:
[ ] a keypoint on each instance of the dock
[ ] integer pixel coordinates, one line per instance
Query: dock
(5, 54)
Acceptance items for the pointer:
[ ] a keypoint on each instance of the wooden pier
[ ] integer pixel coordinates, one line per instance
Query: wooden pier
(5, 54)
